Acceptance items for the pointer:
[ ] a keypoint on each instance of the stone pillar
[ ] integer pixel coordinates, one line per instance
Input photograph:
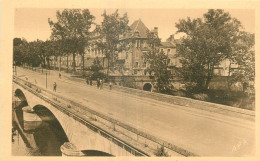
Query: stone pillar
(30, 119)
(69, 149)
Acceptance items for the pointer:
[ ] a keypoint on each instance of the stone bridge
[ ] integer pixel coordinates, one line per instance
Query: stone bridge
(86, 129)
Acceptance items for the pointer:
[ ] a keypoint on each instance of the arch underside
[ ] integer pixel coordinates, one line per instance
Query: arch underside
(147, 87)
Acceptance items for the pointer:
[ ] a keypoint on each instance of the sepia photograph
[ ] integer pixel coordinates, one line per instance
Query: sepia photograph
(133, 82)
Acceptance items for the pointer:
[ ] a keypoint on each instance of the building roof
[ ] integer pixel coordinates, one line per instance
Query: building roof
(139, 26)
(167, 45)
(177, 41)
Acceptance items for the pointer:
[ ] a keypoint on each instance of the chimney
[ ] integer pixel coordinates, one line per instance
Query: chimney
(171, 38)
(155, 30)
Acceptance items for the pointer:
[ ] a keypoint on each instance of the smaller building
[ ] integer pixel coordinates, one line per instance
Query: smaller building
(169, 48)
(225, 68)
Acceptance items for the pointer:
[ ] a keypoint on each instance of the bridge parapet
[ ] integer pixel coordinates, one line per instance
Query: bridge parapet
(191, 103)
(186, 102)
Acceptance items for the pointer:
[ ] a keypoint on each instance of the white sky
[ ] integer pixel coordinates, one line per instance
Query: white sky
(32, 23)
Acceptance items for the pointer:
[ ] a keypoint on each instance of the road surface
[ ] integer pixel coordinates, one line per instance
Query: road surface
(201, 132)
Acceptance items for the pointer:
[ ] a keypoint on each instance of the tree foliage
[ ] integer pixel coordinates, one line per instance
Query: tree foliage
(207, 42)
(17, 51)
(96, 69)
(158, 65)
(113, 25)
(25, 52)
(244, 57)
(73, 30)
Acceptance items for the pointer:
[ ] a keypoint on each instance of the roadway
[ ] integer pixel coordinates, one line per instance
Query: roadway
(201, 132)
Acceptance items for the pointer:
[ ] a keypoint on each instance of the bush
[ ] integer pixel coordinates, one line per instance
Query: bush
(128, 82)
(190, 87)
(201, 96)
(160, 152)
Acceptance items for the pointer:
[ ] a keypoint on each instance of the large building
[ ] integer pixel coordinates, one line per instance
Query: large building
(137, 41)
(130, 60)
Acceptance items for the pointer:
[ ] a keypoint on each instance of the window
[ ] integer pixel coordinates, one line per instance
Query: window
(168, 51)
(136, 64)
(168, 61)
(161, 50)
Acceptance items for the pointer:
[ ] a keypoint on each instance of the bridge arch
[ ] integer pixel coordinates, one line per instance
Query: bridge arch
(50, 132)
(19, 94)
(87, 140)
(147, 87)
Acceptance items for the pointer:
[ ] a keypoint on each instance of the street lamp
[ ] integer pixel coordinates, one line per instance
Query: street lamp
(46, 78)
(14, 68)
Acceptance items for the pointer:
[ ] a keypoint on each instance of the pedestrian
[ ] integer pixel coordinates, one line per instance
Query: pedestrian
(101, 83)
(59, 75)
(87, 81)
(54, 86)
(110, 85)
(98, 83)
(90, 82)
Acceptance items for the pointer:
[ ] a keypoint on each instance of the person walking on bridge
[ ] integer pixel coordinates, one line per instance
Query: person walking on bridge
(54, 87)
(101, 84)
(98, 83)
(110, 85)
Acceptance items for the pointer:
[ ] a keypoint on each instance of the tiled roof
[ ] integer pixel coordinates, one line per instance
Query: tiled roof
(177, 41)
(167, 45)
(139, 26)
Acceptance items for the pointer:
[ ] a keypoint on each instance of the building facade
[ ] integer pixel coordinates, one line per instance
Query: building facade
(137, 43)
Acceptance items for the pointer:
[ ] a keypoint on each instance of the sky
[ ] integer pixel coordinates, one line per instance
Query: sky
(32, 23)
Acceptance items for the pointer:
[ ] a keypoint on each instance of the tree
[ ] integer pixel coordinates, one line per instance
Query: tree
(72, 28)
(31, 51)
(96, 69)
(244, 56)
(41, 50)
(206, 43)
(18, 55)
(112, 27)
(158, 65)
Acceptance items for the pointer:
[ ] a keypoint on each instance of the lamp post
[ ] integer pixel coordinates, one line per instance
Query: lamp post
(46, 78)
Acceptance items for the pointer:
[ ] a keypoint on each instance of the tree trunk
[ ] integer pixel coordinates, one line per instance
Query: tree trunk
(67, 63)
(83, 67)
(108, 66)
(103, 58)
(60, 64)
(48, 63)
(55, 62)
(209, 77)
(44, 63)
(228, 78)
(73, 63)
